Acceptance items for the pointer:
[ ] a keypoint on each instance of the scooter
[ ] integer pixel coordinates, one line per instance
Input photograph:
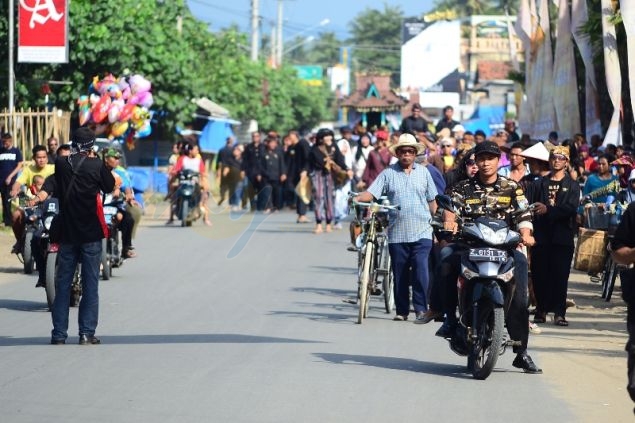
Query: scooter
(187, 195)
(111, 255)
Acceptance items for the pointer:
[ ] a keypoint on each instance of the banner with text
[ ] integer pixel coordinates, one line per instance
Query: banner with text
(43, 31)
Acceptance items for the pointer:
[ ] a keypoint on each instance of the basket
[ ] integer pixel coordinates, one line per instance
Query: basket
(590, 251)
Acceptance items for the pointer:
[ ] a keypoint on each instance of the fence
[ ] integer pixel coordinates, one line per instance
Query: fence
(31, 127)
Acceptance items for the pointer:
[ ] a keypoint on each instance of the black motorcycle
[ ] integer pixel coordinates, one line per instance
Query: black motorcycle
(50, 209)
(33, 223)
(187, 198)
(111, 254)
(485, 289)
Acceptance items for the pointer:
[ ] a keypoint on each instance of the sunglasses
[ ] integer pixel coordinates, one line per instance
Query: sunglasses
(559, 157)
(404, 151)
(446, 145)
(470, 162)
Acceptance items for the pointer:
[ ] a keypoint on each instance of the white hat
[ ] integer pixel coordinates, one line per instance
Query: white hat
(458, 128)
(537, 151)
(632, 175)
(406, 140)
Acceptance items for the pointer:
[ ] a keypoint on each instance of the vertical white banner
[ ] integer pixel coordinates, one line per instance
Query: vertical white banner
(613, 74)
(579, 16)
(542, 76)
(525, 30)
(628, 16)
(565, 93)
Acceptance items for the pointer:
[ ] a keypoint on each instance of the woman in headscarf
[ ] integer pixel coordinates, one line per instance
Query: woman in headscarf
(466, 168)
(325, 160)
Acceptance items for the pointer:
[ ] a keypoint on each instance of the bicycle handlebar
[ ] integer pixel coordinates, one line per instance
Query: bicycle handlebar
(379, 205)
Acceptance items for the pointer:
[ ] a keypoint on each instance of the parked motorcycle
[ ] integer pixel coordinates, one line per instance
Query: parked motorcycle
(188, 195)
(111, 254)
(485, 289)
(33, 223)
(49, 210)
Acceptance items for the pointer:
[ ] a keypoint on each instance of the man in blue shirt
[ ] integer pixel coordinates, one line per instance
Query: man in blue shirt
(409, 185)
(10, 165)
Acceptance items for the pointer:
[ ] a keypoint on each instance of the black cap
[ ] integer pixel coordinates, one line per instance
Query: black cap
(6, 135)
(488, 147)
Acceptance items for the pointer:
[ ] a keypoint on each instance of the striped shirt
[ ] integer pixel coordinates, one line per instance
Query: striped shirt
(412, 192)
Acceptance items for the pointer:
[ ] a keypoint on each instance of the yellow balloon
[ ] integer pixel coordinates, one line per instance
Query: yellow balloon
(118, 129)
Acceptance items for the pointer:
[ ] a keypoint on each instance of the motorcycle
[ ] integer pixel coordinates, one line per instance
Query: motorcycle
(485, 289)
(33, 223)
(187, 198)
(50, 209)
(111, 254)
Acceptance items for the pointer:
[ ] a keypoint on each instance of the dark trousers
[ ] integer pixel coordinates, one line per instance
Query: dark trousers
(125, 226)
(270, 196)
(435, 291)
(550, 268)
(517, 317)
(5, 191)
(410, 264)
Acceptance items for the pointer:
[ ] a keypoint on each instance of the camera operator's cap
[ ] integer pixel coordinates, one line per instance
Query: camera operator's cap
(406, 140)
(487, 147)
(112, 152)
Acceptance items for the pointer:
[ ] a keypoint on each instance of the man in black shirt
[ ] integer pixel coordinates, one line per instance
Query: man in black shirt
(414, 123)
(297, 169)
(10, 165)
(447, 121)
(79, 180)
(251, 167)
(273, 172)
(623, 251)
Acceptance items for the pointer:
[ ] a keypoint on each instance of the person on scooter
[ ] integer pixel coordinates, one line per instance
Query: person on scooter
(489, 194)
(122, 187)
(40, 167)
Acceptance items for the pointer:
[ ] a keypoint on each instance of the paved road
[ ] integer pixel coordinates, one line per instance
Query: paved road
(207, 325)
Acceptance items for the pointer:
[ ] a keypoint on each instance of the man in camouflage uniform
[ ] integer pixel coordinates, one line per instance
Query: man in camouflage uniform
(492, 195)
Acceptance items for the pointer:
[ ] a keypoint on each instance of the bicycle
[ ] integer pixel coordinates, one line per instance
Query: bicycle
(375, 262)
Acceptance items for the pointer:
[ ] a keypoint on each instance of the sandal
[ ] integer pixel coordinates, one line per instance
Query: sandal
(540, 317)
(129, 254)
(560, 321)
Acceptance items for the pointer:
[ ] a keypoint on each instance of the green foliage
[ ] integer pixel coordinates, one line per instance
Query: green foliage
(164, 42)
(465, 8)
(376, 40)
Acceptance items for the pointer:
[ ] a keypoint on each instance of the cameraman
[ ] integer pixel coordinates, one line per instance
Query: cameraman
(79, 179)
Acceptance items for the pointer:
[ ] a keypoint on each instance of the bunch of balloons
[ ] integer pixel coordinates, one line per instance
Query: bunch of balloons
(118, 107)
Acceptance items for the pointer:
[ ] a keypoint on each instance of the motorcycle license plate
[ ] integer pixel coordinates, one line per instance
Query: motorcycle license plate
(487, 254)
(110, 210)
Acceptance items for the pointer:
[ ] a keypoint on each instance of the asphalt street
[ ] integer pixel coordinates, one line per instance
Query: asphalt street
(244, 322)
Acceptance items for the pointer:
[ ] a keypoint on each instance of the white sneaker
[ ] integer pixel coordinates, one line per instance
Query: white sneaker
(534, 328)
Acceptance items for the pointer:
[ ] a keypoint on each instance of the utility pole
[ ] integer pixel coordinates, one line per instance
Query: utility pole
(11, 66)
(255, 33)
(279, 35)
(274, 55)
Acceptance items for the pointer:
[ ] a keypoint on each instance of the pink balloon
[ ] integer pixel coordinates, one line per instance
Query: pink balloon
(100, 109)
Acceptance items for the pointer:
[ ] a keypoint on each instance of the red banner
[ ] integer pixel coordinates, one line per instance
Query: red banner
(43, 31)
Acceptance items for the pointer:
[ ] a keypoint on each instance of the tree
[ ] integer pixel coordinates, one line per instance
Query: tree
(376, 40)
(466, 8)
(164, 42)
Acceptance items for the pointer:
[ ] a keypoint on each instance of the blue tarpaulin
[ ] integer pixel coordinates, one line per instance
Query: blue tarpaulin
(214, 135)
(486, 118)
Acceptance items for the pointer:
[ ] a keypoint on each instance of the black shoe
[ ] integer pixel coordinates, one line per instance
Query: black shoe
(446, 330)
(89, 339)
(41, 283)
(523, 361)
(375, 291)
(58, 341)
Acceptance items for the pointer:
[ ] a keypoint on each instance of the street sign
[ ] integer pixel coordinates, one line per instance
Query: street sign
(43, 31)
(310, 75)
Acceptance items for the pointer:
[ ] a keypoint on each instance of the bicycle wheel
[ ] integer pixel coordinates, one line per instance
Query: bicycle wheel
(611, 281)
(387, 284)
(364, 280)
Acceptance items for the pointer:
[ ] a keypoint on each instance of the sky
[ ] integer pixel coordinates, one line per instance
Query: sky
(302, 17)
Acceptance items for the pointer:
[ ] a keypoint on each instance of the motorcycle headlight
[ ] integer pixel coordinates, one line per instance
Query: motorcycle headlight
(491, 236)
(47, 222)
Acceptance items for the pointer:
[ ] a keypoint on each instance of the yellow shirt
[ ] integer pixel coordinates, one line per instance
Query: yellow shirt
(26, 177)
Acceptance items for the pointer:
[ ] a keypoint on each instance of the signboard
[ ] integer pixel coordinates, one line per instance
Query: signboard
(43, 31)
(310, 75)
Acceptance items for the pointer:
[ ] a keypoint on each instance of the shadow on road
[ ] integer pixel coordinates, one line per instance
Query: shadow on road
(395, 363)
(340, 293)
(212, 338)
(334, 269)
(11, 269)
(22, 305)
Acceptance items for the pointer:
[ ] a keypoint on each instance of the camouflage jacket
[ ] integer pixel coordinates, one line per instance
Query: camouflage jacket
(498, 200)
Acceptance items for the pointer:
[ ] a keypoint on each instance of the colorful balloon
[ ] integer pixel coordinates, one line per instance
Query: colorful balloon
(100, 109)
(118, 129)
(126, 112)
(115, 110)
(84, 109)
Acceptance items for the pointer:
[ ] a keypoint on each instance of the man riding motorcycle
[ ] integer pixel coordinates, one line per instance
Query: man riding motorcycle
(489, 194)
(39, 167)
